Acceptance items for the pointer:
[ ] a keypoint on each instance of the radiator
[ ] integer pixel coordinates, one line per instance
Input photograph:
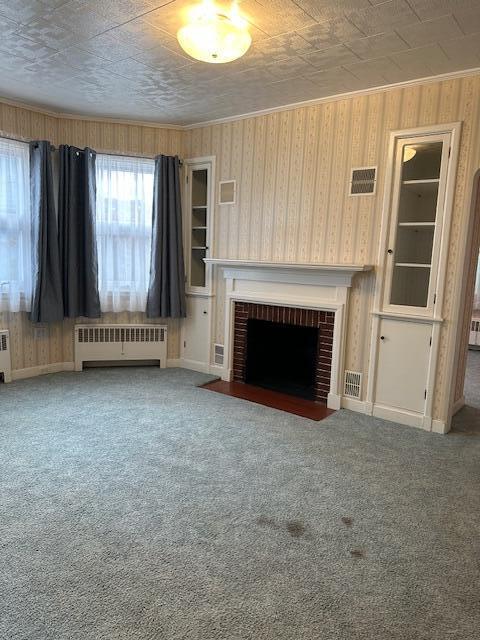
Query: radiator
(114, 342)
(5, 361)
(474, 333)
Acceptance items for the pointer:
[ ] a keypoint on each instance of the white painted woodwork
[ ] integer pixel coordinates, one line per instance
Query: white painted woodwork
(402, 369)
(292, 170)
(129, 342)
(308, 286)
(196, 333)
(198, 213)
(403, 359)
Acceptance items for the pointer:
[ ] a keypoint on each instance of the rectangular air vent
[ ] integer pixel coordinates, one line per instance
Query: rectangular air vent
(353, 384)
(227, 191)
(218, 354)
(121, 334)
(5, 363)
(363, 181)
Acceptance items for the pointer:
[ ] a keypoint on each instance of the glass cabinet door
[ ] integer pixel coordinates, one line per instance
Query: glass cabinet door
(198, 241)
(419, 199)
(198, 216)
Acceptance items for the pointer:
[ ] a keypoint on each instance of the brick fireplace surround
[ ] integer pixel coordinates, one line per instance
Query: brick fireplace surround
(323, 320)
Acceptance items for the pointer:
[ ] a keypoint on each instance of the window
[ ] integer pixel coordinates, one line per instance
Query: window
(15, 227)
(124, 231)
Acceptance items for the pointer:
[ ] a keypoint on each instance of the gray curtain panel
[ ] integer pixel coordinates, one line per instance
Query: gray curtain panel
(76, 222)
(47, 303)
(166, 292)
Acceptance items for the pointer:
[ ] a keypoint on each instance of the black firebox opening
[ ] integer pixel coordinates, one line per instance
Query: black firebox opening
(282, 357)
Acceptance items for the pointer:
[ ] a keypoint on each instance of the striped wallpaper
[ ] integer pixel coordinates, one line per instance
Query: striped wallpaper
(102, 136)
(292, 170)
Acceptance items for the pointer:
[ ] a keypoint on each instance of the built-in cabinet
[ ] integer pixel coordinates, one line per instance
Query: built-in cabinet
(409, 295)
(198, 214)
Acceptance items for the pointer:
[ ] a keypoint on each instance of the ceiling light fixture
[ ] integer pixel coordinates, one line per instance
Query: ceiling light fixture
(213, 35)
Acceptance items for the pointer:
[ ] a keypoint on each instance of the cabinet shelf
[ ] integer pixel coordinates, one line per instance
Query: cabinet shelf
(416, 224)
(422, 181)
(413, 264)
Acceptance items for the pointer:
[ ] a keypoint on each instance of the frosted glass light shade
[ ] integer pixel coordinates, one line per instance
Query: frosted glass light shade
(215, 37)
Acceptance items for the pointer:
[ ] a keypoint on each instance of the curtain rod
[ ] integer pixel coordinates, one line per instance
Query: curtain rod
(54, 148)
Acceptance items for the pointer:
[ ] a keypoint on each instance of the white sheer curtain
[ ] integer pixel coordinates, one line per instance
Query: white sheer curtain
(124, 231)
(15, 227)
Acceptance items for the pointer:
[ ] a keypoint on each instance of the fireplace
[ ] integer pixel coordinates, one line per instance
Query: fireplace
(282, 357)
(287, 349)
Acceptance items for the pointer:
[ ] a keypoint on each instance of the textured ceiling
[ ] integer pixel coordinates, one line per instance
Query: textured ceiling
(120, 58)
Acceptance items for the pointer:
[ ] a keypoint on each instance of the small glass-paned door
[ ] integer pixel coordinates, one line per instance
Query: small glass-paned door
(419, 197)
(199, 218)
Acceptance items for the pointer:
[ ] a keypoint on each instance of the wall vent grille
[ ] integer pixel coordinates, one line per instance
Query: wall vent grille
(218, 354)
(227, 191)
(353, 384)
(3, 342)
(363, 181)
(121, 334)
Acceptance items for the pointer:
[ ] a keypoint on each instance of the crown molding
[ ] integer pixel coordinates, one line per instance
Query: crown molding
(454, 75)
(60, 115)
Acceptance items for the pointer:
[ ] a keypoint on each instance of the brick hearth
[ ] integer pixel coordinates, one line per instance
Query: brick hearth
(323, 320)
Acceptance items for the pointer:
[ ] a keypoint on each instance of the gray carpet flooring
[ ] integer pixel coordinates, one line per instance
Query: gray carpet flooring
(135, 506)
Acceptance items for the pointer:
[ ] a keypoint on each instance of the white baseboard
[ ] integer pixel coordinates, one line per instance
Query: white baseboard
(174, 362)
(407, 418)
(193, 365)
(31, 372)
(217, 370)
(334, 401)
(354, 405)
(438, 426)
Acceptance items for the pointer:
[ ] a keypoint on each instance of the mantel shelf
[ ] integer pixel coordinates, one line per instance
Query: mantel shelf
(295, 266)
(333, 275)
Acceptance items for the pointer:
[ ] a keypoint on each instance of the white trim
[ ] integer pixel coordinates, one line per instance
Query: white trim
(61, 115)
(367, 193)
(408, 418)
(438, 285)
(220, 183)
(438, 426)
(193, 365)
(246, 282)
(191, 164)
(464, 73)
(43, 369)
(352, 404)
(173, 363)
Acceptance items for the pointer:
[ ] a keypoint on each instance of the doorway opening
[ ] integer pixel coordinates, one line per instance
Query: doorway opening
(465, 402)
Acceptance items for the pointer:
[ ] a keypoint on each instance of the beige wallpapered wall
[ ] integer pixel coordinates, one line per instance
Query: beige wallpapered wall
(101, 136)
(469, 284)
(292, 170)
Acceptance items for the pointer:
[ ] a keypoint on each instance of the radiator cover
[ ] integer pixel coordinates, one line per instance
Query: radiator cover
(120, 342)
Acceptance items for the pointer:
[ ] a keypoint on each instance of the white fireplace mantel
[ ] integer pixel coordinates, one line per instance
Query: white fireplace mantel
(310, 286)
(333, 275)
